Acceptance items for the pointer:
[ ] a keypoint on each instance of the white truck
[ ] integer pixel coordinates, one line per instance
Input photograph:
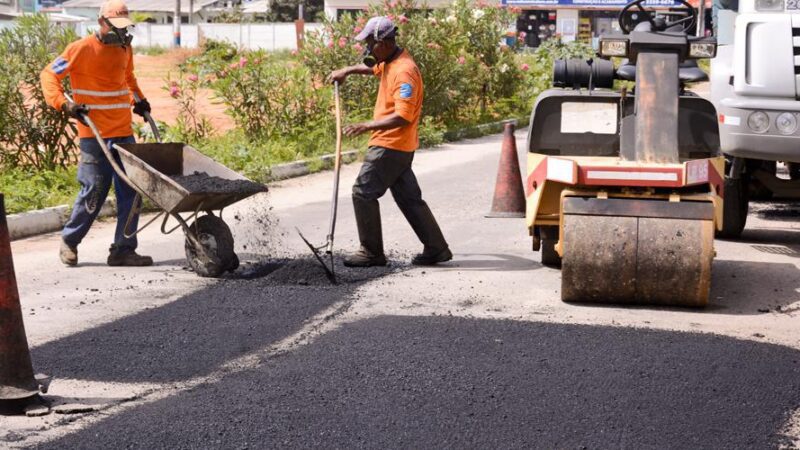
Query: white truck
(755, 86)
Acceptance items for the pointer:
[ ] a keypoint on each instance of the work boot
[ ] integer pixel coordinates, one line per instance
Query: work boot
(126, 257)
(429, 257)
(423, 223)
(68, 254)
(363, 258)
(368, 220)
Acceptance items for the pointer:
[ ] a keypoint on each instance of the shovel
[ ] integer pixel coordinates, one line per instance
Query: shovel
(327, 247)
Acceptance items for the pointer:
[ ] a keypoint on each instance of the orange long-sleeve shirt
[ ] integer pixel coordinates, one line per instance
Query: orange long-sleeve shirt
(101, 76)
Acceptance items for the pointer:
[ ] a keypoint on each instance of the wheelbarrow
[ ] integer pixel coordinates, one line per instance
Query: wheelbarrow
(149, 169)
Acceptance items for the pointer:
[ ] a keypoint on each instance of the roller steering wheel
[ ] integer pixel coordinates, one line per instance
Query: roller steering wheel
(685, 23)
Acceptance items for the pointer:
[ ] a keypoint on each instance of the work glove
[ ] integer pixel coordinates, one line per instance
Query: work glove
(76, 110)
(141, 107)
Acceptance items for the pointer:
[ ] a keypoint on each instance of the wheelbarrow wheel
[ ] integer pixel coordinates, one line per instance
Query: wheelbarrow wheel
(215, 255)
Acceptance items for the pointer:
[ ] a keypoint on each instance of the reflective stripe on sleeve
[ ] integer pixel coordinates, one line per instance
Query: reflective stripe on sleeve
(102, 93)
(112, 106)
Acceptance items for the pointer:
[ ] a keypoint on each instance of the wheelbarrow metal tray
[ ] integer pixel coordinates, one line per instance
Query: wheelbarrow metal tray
(150, 166)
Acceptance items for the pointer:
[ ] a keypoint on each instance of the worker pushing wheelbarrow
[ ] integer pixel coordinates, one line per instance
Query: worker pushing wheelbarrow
(178, 179)
(175, 177)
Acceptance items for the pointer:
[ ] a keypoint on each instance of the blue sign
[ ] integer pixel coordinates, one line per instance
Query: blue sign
(616, 4)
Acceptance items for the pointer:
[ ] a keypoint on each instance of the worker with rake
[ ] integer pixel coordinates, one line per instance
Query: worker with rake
(394, 138)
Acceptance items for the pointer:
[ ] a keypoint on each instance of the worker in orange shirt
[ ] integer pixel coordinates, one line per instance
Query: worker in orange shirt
(391, 149)
(100, 67)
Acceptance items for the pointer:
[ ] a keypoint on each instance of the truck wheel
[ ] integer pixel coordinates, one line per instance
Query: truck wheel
(550, 256)
(735, 206)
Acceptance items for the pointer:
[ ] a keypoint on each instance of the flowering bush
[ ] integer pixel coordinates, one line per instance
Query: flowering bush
(267, 96)
(457, 48)
(190, 125)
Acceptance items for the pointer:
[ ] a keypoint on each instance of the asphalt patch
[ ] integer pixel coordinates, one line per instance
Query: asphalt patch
(443, 382)
(195, 334)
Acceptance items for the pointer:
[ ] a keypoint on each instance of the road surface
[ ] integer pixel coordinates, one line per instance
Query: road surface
(479, 352)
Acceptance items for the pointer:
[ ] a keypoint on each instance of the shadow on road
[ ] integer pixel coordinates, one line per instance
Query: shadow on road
(433, 382)
(195, 334)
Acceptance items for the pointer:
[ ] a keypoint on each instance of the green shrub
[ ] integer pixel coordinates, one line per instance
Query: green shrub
(27, 189)
(32, 134)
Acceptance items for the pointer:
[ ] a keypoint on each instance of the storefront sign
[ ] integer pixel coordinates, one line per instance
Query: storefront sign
(589, 3)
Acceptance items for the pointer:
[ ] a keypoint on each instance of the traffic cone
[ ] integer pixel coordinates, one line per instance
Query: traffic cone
(509, 195)
(16, 371)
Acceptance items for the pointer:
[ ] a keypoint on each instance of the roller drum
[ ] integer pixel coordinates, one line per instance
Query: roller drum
(613, 259)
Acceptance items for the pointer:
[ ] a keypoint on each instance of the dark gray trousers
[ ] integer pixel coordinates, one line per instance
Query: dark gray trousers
(390, 169)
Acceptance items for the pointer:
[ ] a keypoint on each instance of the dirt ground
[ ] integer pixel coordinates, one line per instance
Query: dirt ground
(152, 71)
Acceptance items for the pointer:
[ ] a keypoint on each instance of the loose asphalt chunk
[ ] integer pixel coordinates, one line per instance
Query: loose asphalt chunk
(444, 382)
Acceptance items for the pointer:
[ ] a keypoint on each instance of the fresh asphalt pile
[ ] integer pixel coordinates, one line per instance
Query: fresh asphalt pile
(203, 183)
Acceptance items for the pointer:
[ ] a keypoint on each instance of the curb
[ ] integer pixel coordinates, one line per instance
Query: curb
(47, 220)
(307, 166)
(52, 219)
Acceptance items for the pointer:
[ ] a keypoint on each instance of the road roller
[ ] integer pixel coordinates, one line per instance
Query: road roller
(624, 186)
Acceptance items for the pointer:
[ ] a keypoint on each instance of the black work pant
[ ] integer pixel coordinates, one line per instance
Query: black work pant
(390, 169)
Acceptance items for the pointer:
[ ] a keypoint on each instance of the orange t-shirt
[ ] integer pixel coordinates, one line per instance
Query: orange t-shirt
(101, 76)
(400, 92)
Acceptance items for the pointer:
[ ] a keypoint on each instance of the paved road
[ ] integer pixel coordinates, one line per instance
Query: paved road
(477, 353)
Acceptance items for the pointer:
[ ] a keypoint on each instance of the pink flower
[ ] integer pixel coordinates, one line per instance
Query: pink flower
(294, 52)
(522, 35)
(330, 44)
(234, 66)
(402, 19)
(361, 21)
(223, 74)
(357, 30)
(390, 16)
(462, 60)
(433, 21)
(358, 47)
(524, 67)
(433, 45)
(242, 61)
(192, 78)
(342, 42)
(393, 5)
(174, 92)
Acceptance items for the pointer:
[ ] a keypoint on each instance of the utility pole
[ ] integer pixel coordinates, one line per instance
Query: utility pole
(191, 12)
(300, 26)
(176, 23)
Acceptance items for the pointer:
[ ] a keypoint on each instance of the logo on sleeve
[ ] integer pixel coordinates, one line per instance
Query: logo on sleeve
(405, 90)
(59, 65)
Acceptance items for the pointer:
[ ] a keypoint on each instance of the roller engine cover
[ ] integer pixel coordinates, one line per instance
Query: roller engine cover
(578, 73)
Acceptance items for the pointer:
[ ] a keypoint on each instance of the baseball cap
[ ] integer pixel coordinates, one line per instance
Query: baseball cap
(380, 27)
(116, 11)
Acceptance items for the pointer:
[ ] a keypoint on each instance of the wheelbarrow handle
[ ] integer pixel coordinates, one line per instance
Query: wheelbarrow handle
(107, 151)
(149, 119)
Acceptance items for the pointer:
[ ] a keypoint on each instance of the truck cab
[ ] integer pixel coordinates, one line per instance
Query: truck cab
(755, 86)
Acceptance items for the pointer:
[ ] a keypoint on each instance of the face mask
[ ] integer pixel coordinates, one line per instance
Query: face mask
(369, 59)
(116, 36)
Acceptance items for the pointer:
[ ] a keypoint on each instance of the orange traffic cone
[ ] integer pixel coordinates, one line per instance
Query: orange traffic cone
(509, 195)
(16, 372)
